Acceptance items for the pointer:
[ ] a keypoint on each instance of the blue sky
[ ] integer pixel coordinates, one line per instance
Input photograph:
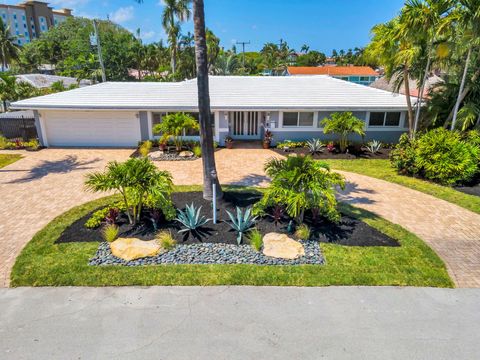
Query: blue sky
(322, 24)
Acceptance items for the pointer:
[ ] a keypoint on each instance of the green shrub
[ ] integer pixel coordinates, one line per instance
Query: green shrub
(165, 240)
(32, 144)
(444, 157)
(473, 137)
(97, 218)
(197, 151)
(343, 124)
(110, 233)
(145, 148)
(291, 144)
(256, 239)
(403, 156)
(302, 232)
(4, 143)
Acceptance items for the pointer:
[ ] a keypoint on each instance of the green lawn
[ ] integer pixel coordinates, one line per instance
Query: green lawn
(43, 263)
(381, 169)
(7, 159)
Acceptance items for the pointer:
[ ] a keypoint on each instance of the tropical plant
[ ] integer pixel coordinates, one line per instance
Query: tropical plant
(374, 146)
(403, 156)
(4, 143)
(145, 148)
(191, 218)
(443, 156)
(174, 125)
(315, 146)
(9, 49)
(11, 90)
(256, 239)
(112, 216)
(242, 222)
(300, 183)
(197, 151)
(343, 124)
(210, 177)
(138, 181)
(165, 240)
(303, 232)
(110, 233)
(277, 214)
(226, 64)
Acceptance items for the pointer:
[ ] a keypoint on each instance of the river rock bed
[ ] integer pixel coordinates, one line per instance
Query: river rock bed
(210, 253)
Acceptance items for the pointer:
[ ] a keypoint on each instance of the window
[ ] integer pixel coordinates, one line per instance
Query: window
(23, 17)
(384, 119)
(298, 119)
(364, 78)
(15, 16)
(42, 20)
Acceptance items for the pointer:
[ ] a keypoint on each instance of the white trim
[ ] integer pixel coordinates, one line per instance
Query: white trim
(150, 124)
(44, 131)
(216, 126)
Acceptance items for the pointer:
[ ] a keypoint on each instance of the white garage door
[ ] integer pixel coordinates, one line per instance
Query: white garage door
(91, 128)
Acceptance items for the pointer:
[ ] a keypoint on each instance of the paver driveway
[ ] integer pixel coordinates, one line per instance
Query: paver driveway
(45, 184)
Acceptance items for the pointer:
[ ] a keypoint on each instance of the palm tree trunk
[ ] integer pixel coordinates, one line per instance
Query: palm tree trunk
(406, 81)
(477, 125)
(462, 86)
(206, 135)
(174, 58)
(420, 95)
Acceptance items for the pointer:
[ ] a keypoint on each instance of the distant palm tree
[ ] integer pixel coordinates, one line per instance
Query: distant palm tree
(8, 48)
(206, 134)
(175, 11)
(226, 64)
(305, 48)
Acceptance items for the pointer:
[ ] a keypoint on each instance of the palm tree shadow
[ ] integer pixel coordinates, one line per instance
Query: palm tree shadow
(63, 166)
(351, 194)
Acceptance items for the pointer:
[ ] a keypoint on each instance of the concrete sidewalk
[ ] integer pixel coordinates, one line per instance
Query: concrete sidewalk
(239, 323)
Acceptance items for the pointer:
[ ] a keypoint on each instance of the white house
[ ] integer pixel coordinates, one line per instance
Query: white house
(121, 114)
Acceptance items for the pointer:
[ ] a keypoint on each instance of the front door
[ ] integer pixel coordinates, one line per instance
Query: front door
(245, 125)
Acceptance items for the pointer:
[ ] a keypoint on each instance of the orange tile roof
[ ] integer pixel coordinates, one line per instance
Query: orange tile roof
(332, 70)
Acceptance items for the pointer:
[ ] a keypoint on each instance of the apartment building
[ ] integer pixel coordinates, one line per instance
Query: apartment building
(29, 19)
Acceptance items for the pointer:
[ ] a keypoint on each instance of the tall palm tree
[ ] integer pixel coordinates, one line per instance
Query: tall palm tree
(174, 12)
(428, 15)
(210, 177)
(8, 48)
(469, 20)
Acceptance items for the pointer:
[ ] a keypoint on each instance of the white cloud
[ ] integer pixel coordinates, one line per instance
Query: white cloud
(123, 14)
(69, 4)
(148, 35)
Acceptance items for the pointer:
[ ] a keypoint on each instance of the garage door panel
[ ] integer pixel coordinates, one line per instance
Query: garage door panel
(92, 128)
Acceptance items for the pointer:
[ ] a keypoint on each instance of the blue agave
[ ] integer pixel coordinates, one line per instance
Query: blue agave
(242, 223)
(190, 218)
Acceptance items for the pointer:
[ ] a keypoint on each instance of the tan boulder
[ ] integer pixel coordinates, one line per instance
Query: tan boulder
(132, 248)
(186, 154)
(281, 246)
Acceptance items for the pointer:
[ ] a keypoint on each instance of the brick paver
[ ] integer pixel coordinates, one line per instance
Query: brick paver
(43, 185)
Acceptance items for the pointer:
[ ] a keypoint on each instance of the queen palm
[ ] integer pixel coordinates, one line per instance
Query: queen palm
(8, 48)
(206, 135)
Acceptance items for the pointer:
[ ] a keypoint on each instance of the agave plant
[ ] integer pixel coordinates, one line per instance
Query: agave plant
(242, 223)
(315, 146)
(190, 218)
(374, 146)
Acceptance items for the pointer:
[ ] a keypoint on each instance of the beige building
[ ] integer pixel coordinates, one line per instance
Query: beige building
(30, 18)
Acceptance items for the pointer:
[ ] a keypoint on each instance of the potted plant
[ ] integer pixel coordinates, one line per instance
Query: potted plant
(229, 142)
(267, 139)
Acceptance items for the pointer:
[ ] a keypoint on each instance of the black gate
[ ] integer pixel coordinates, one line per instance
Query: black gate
(15, 128)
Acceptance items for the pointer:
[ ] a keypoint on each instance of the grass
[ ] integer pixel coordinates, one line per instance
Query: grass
(44, 263)
(7, 159)
(381, 169)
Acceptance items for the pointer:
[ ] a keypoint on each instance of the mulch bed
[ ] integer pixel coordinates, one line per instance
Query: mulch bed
(351, 154)
(348, 232)
(470, 190)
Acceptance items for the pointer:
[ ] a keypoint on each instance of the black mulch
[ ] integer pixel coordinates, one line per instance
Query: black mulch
(352, 153)
(349, 232)
(471, 190)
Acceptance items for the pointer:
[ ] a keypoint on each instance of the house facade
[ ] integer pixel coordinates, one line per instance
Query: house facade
(292, 108)
(363, 75)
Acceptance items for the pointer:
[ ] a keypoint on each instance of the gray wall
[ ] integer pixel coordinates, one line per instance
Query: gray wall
(144, 126)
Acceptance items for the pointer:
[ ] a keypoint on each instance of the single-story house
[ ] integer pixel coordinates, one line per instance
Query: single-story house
(363, 75)
(120, 114)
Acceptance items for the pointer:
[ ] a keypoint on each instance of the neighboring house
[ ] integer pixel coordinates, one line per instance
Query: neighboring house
(30, 19)
(384, 84)
(119, 114)
(363, 75)
(41, 81)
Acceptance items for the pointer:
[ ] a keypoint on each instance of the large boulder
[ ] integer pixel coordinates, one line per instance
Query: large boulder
(281, 246)
(186, 154)
(132, 248)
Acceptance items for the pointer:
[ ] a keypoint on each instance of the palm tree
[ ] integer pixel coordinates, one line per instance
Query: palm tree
(305, 48)
(226, 64)
(175, 11)
(469, 20)
(210, 177)
(428, 15)
(8, 48)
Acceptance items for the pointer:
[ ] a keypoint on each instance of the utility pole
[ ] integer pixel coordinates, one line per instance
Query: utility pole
(99, 49)
(243, 43)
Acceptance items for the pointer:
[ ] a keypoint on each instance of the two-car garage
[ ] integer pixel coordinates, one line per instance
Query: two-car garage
(90, 128)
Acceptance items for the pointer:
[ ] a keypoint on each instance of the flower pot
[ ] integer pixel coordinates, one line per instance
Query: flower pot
(266, 144)
(162, 147)
(229, 145)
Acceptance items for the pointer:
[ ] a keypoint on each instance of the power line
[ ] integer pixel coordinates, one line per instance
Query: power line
(243, 43)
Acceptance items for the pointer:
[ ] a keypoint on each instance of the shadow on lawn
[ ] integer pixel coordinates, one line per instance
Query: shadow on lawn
(348, 195)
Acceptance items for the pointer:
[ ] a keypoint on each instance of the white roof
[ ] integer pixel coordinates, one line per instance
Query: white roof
(41, 81)
(226, 92)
